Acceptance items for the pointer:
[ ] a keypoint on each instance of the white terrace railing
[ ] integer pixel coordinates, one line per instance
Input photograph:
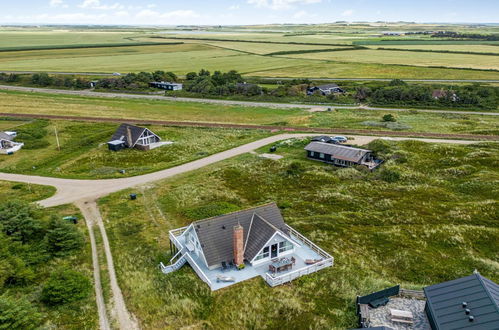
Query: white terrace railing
(172, 234)
(327, 261)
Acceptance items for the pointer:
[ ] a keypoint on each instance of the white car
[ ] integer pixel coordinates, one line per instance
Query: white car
(340, 139)
(116, 74)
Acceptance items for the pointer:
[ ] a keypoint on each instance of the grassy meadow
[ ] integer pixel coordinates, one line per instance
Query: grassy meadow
(84, 152)
(412, 121)
(249, 51)
(28, 192)
(426, 216)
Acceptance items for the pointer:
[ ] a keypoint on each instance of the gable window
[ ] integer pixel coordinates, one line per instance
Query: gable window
(285, 246)
(264, 254)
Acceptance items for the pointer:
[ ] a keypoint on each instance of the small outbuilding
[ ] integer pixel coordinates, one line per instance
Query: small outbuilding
(325, 89)
(169, 86)
(341, 155)
(131, 136)
(470, 302)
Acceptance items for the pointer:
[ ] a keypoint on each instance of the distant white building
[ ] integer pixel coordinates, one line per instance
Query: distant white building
(7, 144)
(169, 86)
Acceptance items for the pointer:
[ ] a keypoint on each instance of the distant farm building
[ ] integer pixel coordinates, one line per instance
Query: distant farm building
(340, 155)
(131, 136)
(7, 144)
(325, 89)
(438, 94)
(169, 86)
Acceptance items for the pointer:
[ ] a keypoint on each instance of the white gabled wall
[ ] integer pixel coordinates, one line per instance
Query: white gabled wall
(192, 237)
(275, 239)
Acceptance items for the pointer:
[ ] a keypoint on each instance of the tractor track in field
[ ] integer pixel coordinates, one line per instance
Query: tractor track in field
(477, 137)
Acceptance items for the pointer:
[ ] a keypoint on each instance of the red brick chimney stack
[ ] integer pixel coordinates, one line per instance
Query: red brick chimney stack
(238, 245)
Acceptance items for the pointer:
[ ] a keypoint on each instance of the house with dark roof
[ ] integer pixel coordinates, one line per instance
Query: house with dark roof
(325, 89)
(244, 244)
(470, 302)
(341, 155)
(169, 86)
(131, 136)
(7, 144)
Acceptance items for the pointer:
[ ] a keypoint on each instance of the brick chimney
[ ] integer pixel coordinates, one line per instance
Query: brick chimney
(129, 136)
(238, 239)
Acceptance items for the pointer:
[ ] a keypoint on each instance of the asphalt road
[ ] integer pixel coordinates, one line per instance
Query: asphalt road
(72, 190)
(311, 107)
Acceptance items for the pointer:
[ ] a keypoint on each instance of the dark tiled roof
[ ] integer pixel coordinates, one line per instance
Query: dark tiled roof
(121, 133)
(328, 86)
(445, 303)
(338, 151)
(5, 136)
(216, 234)
(260, 232)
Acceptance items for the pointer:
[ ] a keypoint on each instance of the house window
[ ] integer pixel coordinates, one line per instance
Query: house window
(311, 154)
(321, 155)
(264, 254)
(285, 246)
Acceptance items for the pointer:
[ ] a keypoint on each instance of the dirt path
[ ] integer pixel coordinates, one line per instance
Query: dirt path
(119, 310)
(315, 107)
(101, 305)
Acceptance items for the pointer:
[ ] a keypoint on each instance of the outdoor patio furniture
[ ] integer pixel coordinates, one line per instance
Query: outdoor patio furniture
(223, 278)
(293, 260)
(312, 261)
(379, 302)
(280, 265)
(401, 316)
(224, 266)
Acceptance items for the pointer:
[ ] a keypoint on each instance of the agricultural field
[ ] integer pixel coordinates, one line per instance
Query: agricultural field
(83, 151)
(428, 215)
(249, 50)
(412, 121)
(407, 58)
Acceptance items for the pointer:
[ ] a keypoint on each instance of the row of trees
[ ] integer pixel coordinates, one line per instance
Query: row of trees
(457, 35)
(400, 93)
(139, 80)
(219, 83)
(27, 244)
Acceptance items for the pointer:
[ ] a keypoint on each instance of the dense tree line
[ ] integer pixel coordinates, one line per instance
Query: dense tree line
(139, 80)
(219, 83)
(457, 35)
(27, 244)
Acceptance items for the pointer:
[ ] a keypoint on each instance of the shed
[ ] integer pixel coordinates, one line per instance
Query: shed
(470, 302)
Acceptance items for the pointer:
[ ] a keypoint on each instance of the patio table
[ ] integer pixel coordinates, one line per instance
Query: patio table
(280, 265)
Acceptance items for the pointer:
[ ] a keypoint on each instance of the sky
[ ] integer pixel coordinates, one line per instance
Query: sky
(243, 12)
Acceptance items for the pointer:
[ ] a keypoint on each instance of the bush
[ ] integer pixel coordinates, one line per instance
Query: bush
(64, 287)
(63, 237)
(389, 175)
(17, 221)
(18, 313)
(389, 117)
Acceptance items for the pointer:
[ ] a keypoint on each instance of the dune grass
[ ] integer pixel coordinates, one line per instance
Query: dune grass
(28, 192)
(431, 221)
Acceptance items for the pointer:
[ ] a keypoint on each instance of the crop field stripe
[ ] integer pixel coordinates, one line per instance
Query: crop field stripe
(437, 51)
(83, 46)
(260, 127)
(305, 51)
(252, 41)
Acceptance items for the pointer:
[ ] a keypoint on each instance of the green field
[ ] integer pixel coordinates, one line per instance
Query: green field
(24, 191)
(13, 102)
(407, 58)
(84, 152)
(428, 215)
(245, 49)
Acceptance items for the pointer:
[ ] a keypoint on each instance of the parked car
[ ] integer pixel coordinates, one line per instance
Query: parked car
(340, 139)
(116, 74)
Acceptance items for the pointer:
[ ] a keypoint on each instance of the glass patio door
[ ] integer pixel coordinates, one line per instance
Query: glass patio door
(273, 251)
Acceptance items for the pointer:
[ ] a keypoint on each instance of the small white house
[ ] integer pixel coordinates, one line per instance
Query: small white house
(7, 144)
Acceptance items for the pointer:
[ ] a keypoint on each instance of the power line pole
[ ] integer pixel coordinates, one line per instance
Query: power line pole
(57, 139)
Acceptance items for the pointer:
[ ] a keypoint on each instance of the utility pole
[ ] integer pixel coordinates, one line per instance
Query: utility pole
(57, 139)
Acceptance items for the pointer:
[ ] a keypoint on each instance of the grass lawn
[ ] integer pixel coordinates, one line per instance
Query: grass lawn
(84, 153)
(428, 215)
(458, 48)
(28, 192)
(15, 102)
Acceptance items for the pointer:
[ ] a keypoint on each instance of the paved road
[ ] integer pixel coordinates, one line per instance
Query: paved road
(72, 190)
(311, 107)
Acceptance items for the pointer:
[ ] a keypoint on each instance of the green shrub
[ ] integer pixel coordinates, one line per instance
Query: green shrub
(389, 175)
(63, 237)
(18, 313)
(389, 117)
(17, 221)
(64, 287)
(210, 210)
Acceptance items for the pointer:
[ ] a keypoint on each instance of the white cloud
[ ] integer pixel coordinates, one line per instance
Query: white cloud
(151, 5)
(96, 4)
(147, 13)
(280, 4)
(58, 3)
(348, 12)
(234, 7)
(303, 14)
